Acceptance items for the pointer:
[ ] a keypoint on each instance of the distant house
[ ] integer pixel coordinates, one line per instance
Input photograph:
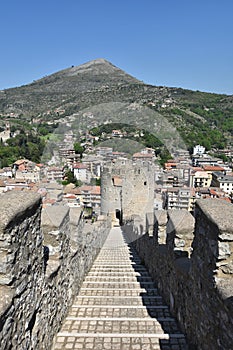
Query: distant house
(104, 151)
(54, 174)
(225, 182)
(88, 196)
(179, 198)
(213, 168)
(143, 156)
(170, 165)
(117, 133)
(20, 164)
(6, 172)
(201, 178)
(81, 173)
(198, 150)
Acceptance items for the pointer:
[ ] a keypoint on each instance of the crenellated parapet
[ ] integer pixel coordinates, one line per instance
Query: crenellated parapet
(191, 261)
(43, 261)
(213, 243)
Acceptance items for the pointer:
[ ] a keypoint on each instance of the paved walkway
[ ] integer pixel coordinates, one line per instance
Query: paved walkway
(118, 307)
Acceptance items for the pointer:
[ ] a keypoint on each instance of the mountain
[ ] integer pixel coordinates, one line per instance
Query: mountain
(64, 88)
(200, 117)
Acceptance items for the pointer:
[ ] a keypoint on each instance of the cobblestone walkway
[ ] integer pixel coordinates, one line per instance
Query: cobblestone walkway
(118, 307)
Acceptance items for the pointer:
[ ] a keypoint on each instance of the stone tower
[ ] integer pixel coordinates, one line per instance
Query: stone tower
(127, 189)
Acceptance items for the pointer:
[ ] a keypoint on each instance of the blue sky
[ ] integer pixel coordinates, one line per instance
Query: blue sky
(182, 43)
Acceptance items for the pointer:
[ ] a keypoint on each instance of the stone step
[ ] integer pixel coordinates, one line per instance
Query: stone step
(114, 279)
(116, 274)
(153, 300)
(117, 269)
(130, 341)
(117, 292)
(129, 311)
(117, 285)
(122, 335)
(118, 306)
(122, 319)
(160, 307)
(139, 297)
(119, 326)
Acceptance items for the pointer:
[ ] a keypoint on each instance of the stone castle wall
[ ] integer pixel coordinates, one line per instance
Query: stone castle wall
(41, 268)
(127, 186)
(192, 267)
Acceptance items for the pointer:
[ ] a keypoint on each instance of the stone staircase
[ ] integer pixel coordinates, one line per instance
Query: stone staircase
(118, 306)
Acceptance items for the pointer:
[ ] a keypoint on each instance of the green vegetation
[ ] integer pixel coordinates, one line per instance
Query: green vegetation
(201, 118)
(131, 144)
(70, 178)
(195, 129)
(29, 141)
(78, 149)
(23, 145)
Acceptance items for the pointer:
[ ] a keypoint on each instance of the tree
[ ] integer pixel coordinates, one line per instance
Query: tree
(78, 149)
(70, 178)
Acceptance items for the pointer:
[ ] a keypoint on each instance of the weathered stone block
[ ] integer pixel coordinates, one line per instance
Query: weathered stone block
(43, 273)
(223, 250)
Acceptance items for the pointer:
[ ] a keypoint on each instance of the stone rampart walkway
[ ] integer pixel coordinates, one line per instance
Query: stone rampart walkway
(118, 307)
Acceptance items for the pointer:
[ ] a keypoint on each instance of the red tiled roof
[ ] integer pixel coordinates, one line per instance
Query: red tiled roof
(79, 166)
(89, 189)
(212, 168)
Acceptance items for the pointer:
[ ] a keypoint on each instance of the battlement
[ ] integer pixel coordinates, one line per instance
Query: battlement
(192, 263)
(43, 266)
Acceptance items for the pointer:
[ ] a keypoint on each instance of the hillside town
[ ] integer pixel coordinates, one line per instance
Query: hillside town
(74, 179)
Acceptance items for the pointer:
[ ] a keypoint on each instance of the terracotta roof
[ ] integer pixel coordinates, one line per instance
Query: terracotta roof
(213, 168)
(89, 189)
(79, 166)
(70, 196)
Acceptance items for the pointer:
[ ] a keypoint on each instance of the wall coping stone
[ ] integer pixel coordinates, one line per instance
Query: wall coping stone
(53, 217)
(161, 217)
(181, 221)
(14, 205)
(213, 209)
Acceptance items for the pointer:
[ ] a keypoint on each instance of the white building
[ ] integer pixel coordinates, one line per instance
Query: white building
(225, 182)
(81, 173)
(198, 150)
